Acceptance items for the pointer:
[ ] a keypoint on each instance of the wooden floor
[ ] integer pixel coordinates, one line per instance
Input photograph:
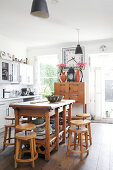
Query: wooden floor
(100, 155)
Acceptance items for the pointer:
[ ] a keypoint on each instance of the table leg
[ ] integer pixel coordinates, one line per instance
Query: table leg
(69, 114)
(57, 128)
(16, 111)
(64, 123)
(47, 139)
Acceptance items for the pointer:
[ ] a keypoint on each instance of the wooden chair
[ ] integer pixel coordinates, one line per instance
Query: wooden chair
(78, 132)
(8, 129)
(20, 137)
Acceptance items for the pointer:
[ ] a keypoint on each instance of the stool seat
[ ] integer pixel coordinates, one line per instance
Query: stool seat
(78, 122)
(9, 118)
(26, 126)
(83, 115)
(21, 136)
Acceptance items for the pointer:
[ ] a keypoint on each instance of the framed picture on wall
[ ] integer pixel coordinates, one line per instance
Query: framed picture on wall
(70, 58)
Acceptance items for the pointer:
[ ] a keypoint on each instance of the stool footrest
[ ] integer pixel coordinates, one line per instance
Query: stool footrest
(75, 151)
(28, 160)
(9, 143)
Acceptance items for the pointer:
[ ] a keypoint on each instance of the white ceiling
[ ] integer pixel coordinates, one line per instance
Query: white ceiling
(93, 17)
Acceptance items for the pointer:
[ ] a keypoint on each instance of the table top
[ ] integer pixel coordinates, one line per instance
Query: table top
(41, 104)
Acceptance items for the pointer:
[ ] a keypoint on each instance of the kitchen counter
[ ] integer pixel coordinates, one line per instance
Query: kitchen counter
(19, 97)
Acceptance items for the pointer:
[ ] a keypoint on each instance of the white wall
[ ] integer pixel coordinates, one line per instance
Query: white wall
(14, 48)
(91, 47)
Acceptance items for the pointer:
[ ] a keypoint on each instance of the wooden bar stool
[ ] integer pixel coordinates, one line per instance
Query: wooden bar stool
(78, 132)
(20, 137)
(83, 115)
(7, 140)
(85, 123)
(8, 128)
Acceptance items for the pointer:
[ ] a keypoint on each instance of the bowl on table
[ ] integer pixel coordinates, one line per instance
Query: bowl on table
(54, 98)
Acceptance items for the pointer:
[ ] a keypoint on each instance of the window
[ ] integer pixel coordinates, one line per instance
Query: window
(48, 73)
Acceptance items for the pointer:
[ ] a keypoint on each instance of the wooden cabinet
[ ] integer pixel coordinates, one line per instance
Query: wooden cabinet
(72, 90)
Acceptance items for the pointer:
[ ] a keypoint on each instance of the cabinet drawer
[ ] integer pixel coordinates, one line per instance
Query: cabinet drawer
(75, 87)
(78, 98)
(61, 89)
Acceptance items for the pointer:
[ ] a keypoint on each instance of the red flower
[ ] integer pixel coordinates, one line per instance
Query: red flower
(61, 65)
(81, 65)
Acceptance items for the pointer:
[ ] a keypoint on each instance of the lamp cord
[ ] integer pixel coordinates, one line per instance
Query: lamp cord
(78, 34)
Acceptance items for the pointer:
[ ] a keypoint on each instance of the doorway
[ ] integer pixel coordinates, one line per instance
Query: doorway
(101, 86)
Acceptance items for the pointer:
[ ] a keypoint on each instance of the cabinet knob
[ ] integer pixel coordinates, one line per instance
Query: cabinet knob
(62, 91)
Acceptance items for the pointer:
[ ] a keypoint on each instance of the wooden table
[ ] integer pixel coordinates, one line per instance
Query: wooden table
(46, 110)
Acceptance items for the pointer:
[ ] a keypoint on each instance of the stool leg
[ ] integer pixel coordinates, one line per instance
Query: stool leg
(9, 134)
(81, 146)
(32, 152)
(86, 139)
(34, 144)
(20, 149)
(17, 152)
(75, 138)
(78, 138)
(89, 129)
(69, 143)
(5, 136)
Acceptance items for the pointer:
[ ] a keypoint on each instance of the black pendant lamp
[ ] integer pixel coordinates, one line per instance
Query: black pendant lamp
(78, 49)
(40, 9)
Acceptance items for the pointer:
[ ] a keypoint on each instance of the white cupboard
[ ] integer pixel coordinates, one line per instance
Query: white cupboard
(26, 74)
(3, 113)
(15, 72)
(9, 72)
(5, 110)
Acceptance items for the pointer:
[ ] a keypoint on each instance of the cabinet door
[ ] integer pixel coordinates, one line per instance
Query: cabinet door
(23, 73)
(3, 108)
(29, 74)
(62, 89)
(15, 73)
(5, 71)
(76, 92)
(26, 74)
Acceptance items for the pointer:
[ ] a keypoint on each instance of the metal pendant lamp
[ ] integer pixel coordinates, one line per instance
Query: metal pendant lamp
(39, 8)
(78, 49)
